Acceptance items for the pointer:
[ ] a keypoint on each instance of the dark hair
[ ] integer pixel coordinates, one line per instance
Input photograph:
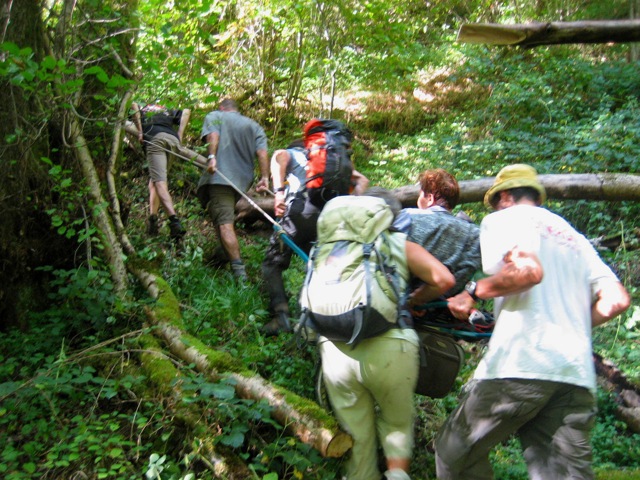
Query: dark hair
(442, 185)
(387, 196)
(297, 143)
(228, 104)
(518, 194)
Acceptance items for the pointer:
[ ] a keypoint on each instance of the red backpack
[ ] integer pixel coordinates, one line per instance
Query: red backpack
(329, 166)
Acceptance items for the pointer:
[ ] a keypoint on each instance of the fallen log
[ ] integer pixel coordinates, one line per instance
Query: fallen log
(606, 187)
(301, 416)
(551, 33)
(627, 394)
(221, 461)
(630, 240)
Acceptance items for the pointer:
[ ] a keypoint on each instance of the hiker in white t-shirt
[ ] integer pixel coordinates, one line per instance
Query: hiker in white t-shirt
(537, 378)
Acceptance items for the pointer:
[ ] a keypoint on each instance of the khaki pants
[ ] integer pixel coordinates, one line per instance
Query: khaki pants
(160, 148)
(221, 204)
(552, 420)
(380, 372)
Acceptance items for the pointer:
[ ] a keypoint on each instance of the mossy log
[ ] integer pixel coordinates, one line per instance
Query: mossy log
(301, 416)
(610, 187)
(627, 394)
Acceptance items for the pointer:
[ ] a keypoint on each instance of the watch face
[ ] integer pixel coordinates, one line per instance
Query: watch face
(470, 288)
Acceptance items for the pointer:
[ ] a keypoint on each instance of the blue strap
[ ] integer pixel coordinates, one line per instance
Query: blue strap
(287, 239)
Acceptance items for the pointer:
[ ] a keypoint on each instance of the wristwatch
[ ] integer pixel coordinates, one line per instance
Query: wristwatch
(211, 155)
(470, 288)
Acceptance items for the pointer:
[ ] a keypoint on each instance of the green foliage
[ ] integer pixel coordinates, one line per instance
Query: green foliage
(82, 300)
(295, 460)
(70, 198)
(612, 444)
(51, 422)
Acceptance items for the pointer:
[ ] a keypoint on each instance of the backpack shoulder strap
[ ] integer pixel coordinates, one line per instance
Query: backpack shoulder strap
(363, 311)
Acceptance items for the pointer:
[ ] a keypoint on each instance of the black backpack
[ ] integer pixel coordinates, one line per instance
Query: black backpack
(329, 166)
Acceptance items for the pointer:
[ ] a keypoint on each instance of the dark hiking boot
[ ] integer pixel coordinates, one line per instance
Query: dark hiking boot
(239, 272)
(279, 324)
(152, 225)
(176, 230)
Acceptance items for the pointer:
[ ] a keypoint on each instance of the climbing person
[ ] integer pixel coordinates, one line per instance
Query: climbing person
(155, 126)
(298, 217)
(234, 143)
(369, 354)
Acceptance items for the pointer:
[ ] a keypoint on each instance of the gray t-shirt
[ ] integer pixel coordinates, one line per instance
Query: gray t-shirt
(452, 240)
(240, 139)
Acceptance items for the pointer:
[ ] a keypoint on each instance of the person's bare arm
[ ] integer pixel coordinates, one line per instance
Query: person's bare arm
(212, 140)
(521, 271)
(263, 163)
(611, 300)
(137, 119)
(360, 183)
(436, 276)
(279, 162)
(184, 121)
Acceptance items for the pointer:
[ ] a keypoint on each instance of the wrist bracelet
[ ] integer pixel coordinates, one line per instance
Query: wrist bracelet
(211, 155)
(281, 189)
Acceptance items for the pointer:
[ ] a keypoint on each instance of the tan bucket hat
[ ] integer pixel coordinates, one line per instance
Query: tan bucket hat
(514, 176)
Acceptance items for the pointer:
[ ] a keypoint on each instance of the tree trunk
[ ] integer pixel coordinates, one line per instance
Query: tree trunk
(108, 237)
(634, 13)
(628, 395)
(551, 33)
(610, 187)
(26, 239)
(116, 150)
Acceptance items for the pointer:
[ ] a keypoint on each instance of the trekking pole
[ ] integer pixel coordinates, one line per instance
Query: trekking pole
(276, 226)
